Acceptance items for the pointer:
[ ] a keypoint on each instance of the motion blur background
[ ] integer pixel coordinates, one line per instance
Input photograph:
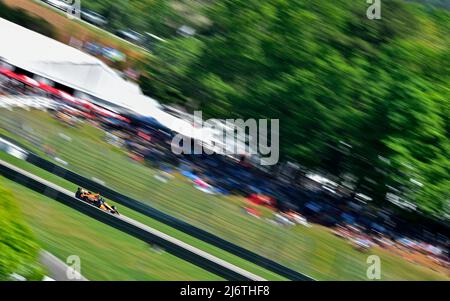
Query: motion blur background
(364, 133)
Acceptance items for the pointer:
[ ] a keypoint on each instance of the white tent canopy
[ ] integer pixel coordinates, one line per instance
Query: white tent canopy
(175, 124)
(66, 65)
(69, 66)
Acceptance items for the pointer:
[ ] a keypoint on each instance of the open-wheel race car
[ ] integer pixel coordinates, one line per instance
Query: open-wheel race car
(95, 199)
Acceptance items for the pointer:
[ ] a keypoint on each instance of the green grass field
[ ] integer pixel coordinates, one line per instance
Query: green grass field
(150, 222)
(105, 253)
(314, 251)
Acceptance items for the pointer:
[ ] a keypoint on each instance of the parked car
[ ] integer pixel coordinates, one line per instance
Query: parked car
(131, 36)
(186, 31)
(113, 54)
(93, 48)
(93, 18)
(58, 4)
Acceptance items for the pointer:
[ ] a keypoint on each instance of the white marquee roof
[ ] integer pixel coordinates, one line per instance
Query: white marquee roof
(61, 63)
(64, 64)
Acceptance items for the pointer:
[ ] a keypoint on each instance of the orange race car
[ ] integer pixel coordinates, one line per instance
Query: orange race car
(95, 199)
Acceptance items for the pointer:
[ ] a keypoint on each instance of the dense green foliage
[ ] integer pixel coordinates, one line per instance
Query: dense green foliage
(21, 17)
(330, 75)
(18, 249)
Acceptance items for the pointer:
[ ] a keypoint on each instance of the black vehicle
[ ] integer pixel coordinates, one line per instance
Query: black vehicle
(93, 18)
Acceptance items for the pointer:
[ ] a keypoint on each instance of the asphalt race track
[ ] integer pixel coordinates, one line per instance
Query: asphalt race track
(57, 269)
(165, 218)
(143, 232)
(154, 213)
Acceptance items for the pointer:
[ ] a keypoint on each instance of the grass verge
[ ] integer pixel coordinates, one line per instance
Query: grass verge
(313, 251)
(105, 253)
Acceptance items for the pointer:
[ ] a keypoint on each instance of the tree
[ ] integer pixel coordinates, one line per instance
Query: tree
(18, 249)
(166, 76)
(333, 78)
(21, 17)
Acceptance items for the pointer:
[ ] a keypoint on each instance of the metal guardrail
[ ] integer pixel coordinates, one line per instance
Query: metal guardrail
(192, 255)
(168, 219)
(12, 149)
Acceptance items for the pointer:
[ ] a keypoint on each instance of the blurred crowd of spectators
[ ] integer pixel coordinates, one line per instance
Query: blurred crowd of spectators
(292, 202)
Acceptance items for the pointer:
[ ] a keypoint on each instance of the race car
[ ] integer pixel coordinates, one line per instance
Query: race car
(95, 199)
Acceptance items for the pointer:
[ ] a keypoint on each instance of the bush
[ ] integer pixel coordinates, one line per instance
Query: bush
(18, 248)
(22, 18)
